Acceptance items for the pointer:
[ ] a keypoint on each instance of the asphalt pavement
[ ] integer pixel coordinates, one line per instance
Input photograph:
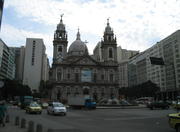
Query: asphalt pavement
(99, 120)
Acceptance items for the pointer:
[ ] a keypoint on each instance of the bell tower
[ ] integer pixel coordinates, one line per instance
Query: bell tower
(109, 44)
(60, 43)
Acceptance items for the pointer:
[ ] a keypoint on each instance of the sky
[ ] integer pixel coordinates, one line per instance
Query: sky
(137, 24)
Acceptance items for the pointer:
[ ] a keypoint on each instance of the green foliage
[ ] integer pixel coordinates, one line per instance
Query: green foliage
(14, 88)
(43, 88)
(147, 89)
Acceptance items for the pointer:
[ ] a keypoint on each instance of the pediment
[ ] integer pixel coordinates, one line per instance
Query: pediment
(86, 60)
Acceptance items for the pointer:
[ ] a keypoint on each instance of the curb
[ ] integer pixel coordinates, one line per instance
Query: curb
(120, 107)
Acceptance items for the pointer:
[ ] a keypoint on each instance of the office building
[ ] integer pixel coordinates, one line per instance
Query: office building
(19, 61)
(7, 62)
(34, 63)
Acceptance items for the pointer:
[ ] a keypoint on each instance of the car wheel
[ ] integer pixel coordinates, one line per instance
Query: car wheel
(64, 114)
(178, 128)
(152, 108)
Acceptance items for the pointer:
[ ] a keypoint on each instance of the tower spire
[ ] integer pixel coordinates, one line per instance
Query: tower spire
(108, 21)
(61, 18)
(78, 35)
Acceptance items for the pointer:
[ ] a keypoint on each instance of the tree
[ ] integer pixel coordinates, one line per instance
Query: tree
(147, 89)
(14, 88)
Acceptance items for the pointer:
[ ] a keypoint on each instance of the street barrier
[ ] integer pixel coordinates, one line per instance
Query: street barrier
(17, 121)
(31, 126)
(7, 118)
(39, 128)
(23, 123)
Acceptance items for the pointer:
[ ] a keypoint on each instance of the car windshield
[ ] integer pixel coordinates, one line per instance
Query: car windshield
(34, 105)
(58, 105)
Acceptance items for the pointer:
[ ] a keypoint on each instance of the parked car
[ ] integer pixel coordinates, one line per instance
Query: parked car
(44, 105)
(174, 121)
(56, 108)
(33, 107)
(158, 104)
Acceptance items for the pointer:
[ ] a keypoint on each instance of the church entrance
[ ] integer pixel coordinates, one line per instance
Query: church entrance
(86, 90)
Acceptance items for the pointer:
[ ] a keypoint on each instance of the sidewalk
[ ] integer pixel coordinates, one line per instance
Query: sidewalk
(10, 127)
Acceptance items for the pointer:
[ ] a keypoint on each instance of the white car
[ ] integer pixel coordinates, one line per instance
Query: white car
(56, 108)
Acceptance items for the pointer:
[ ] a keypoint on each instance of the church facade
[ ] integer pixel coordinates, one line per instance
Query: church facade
(74, 71)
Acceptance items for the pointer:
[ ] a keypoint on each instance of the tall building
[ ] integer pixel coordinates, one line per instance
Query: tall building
(19, 61)
(137, 72)
(124, 54)
(123, 57)
(76, 72)
(161, 65)
(45, 68)
(1, 11)
(123, 74)
(97, 53)
(7, 62)
(34, 64)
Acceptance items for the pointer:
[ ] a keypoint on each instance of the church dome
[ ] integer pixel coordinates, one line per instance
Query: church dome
(78, 47)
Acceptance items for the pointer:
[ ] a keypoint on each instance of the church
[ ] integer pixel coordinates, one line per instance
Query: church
(75, 72)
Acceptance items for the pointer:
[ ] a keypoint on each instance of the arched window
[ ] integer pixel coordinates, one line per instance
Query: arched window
(109, 38)
(110, 53)
(76, 91)
(111, 75)
(76, 75)
(68, 91)
(94, 75)
(59, 75)
(102, 75)
(60, 48)
(86, 91)
(59, 95)
(68, 74)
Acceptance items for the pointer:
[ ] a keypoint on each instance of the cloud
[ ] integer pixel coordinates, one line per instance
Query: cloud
(14, 37)
(137, 24)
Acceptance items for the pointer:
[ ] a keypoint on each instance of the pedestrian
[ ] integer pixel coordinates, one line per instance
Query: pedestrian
(3, 111)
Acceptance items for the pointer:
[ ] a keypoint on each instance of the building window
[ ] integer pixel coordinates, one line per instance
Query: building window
(33, 53)
(109, 38)
(85, 91)
(59, 48)
(111, 77)
(76, 91)
(76, 77)
(95, 77)
(59, 75)
(68, 91)
(68, 76)
(110, 53)
(102, 77)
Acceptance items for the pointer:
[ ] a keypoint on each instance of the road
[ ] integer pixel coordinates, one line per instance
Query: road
(102, 120)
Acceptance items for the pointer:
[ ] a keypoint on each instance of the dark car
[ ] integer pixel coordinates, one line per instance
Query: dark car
(158, 104)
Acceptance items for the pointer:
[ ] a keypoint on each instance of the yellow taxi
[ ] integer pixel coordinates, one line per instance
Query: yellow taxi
(34, 108)
(174, 121)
